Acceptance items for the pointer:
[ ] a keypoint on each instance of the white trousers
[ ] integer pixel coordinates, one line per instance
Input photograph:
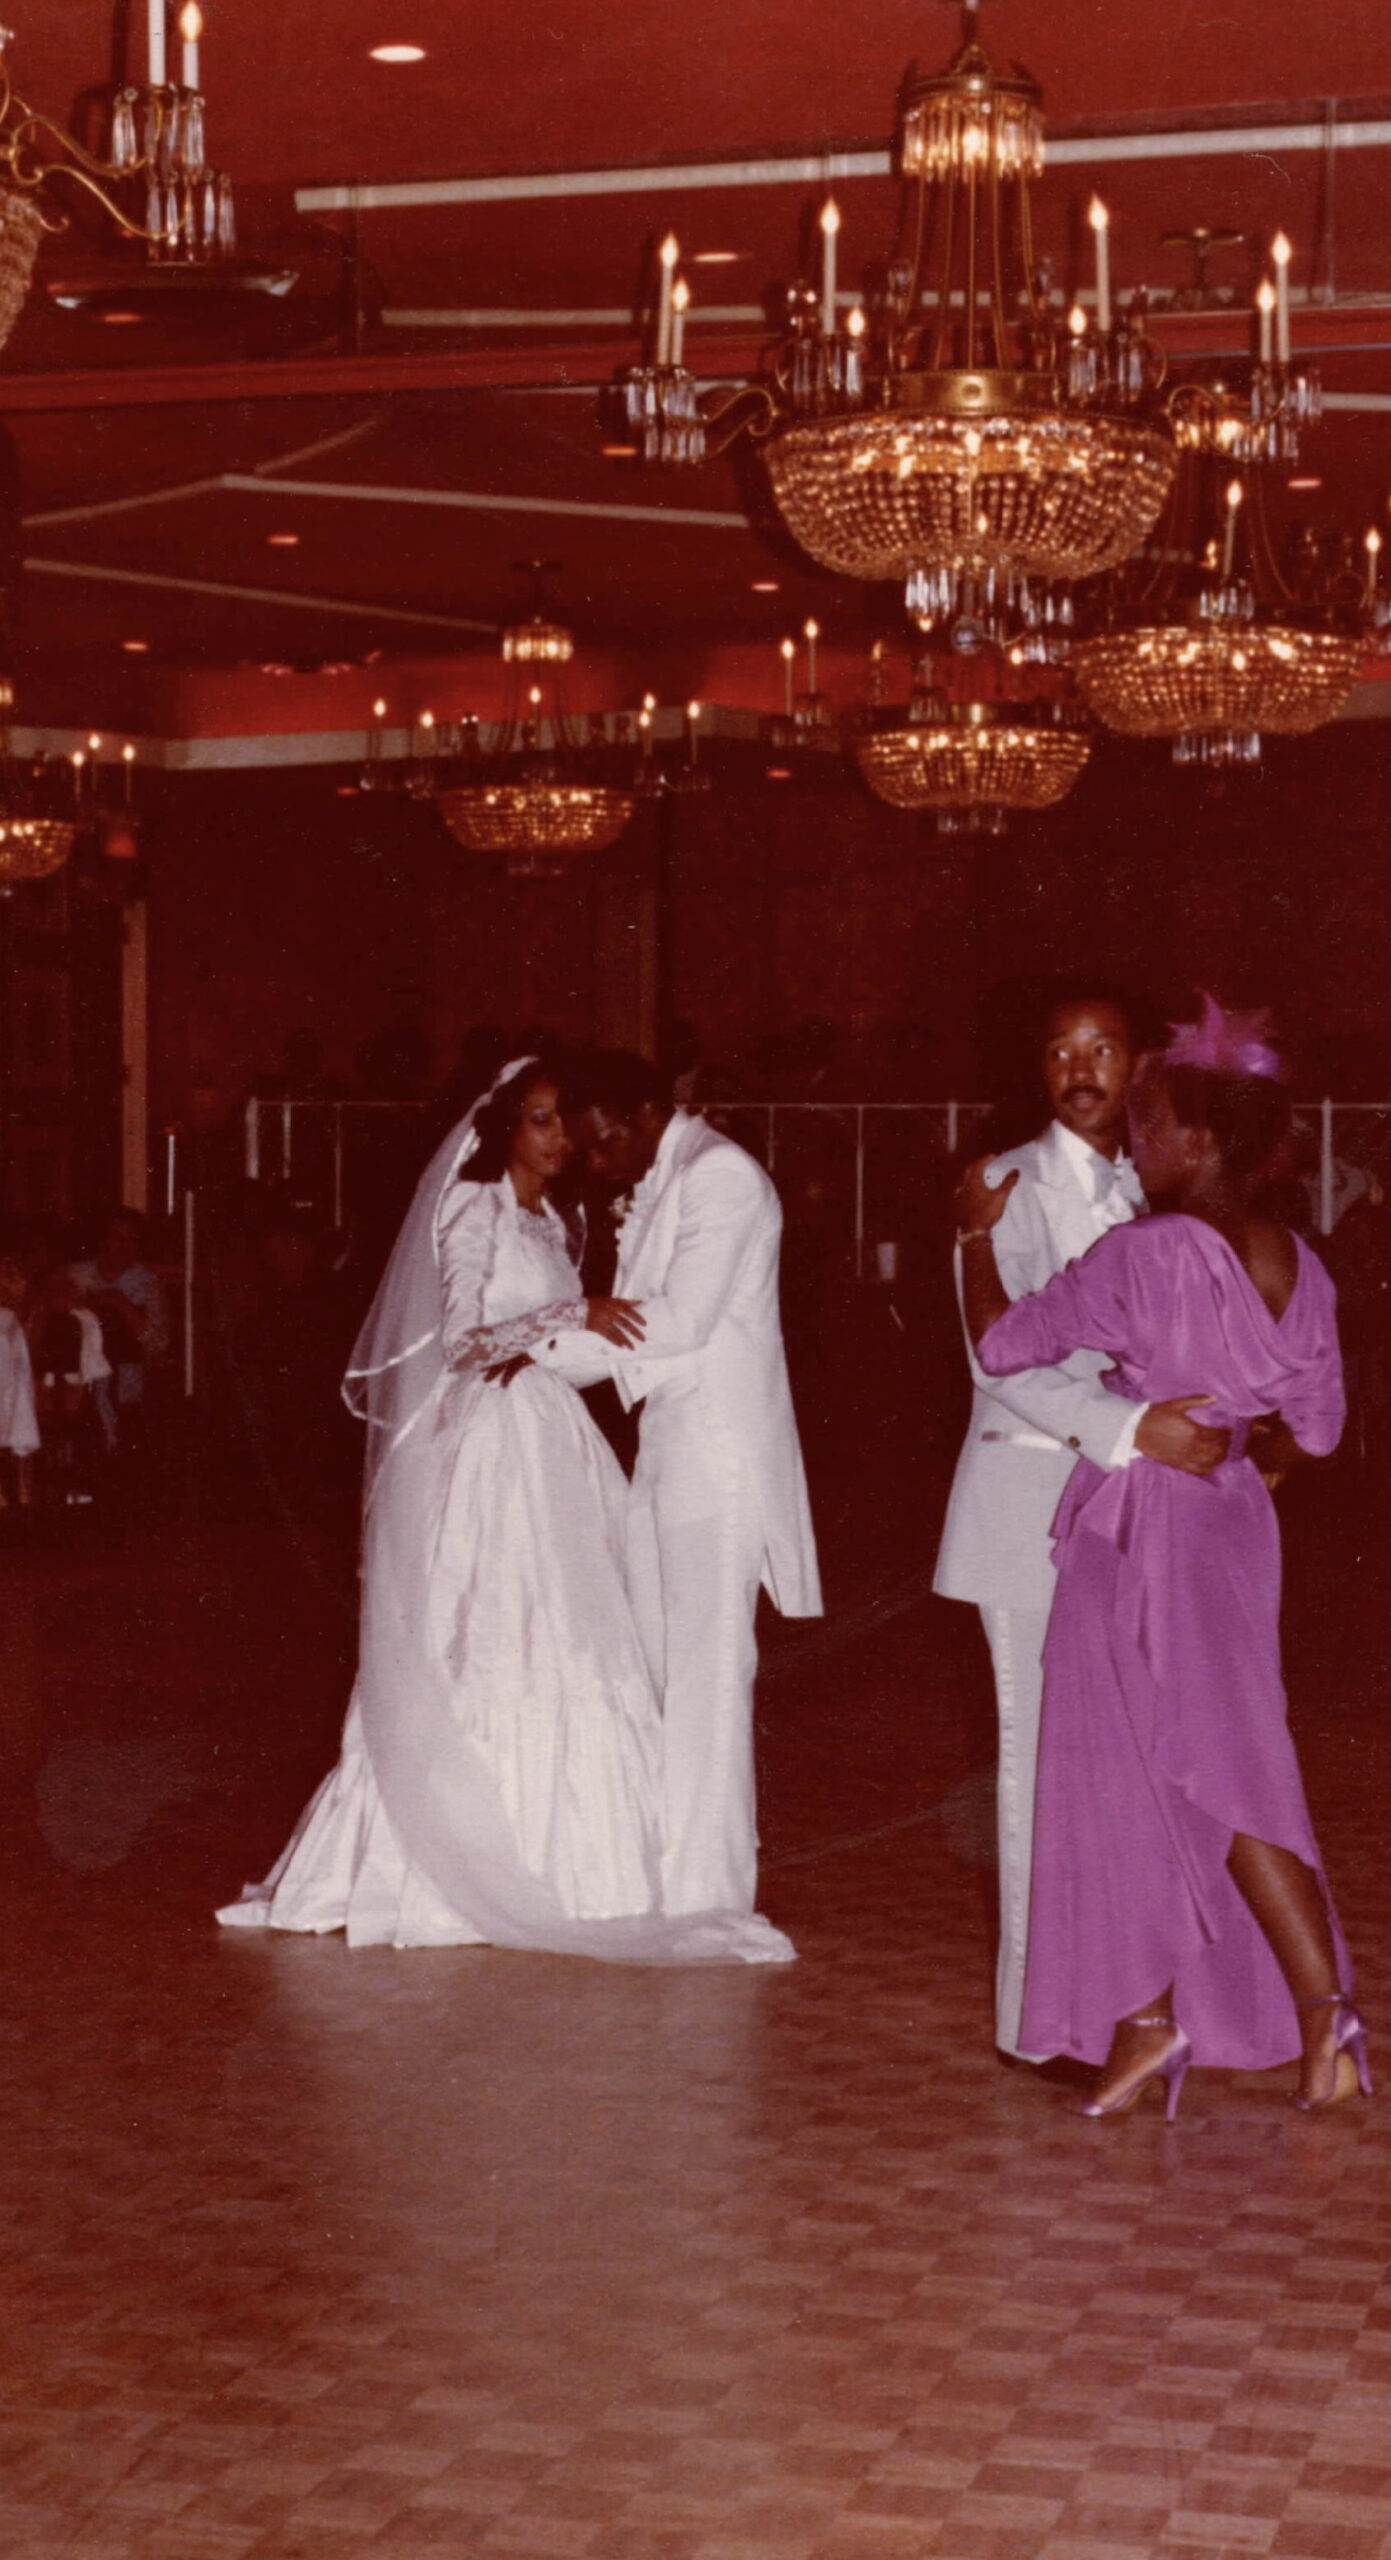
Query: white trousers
(694, 1568)
(1015, 1638)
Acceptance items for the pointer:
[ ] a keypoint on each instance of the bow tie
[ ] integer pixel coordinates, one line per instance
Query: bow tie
(1114, 1187)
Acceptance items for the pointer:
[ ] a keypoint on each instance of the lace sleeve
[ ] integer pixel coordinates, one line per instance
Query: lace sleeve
(467, 1240)
(484, 1344)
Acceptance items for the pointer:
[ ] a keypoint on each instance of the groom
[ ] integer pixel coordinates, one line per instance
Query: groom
(1028, 1431)
(719, 1497)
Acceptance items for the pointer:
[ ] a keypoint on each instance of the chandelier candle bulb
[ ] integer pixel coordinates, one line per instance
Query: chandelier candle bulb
(128, 760)
(811, 633)
(190, 29)
(680, 305)
(1265, 305)
(1282, 253)
(787, 651)
(1100, 221)
(1371, 544)
(1234, 498)
(693, 729)
(830, 225)
(854, 354)
(667, 256)
(154, 26)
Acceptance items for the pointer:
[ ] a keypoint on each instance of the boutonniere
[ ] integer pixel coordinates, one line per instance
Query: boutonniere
(621, 1210)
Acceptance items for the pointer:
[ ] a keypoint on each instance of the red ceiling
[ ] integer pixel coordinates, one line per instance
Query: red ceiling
(294, 102)
(294, 98)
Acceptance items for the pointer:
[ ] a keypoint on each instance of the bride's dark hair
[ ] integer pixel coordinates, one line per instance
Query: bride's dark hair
(499, 1120)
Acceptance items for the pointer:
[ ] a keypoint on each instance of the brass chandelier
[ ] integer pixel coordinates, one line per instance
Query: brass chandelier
(1222, 648)
(538, 823)
(31, 848)
(981, 451)
(152, 178)
(48, 802)
(972, 763)
(541, 791)
(1254, 410)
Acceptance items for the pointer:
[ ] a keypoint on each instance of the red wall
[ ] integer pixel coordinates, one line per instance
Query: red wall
(276, 905)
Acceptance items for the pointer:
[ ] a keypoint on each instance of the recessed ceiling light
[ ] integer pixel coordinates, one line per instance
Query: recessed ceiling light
(779, 773)
(1304, 484)
(763, 587)
(618, 452)
(397, 53)
(718, 257)
(283, 541)
(121, 319)
(136, 648)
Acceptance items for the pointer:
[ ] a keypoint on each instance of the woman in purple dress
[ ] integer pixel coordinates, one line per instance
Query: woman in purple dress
(1180, 1912)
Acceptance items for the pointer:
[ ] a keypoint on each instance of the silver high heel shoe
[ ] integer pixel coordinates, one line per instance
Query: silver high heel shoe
(1349, 2047)
(1170, 2067)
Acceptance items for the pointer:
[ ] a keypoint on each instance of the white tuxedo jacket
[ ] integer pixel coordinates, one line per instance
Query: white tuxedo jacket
(1026, 1432)
(700, 1249)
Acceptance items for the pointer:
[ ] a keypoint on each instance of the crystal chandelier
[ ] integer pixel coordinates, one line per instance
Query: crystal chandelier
(540, 791)
(971, 762)
(46, 803)
(981, 451)
(33, 840)
(536, 823)
(1257, 410)
(1226, 649)
(153, 179)
(30, 848)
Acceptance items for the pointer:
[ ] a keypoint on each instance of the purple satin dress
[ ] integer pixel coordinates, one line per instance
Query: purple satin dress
(1164, 1720)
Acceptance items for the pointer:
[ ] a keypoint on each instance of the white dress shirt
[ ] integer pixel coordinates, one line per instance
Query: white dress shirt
(1111, 1188)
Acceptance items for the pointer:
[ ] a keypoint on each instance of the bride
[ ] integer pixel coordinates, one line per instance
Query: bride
(500, 1774)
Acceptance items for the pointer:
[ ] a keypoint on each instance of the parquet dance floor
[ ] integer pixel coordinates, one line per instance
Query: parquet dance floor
(315, 2256)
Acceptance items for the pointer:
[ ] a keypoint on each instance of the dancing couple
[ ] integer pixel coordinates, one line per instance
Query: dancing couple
(550, 1742)
(1163, 1901)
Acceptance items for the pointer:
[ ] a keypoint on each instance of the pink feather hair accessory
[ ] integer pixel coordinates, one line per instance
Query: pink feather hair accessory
(1226, 1044)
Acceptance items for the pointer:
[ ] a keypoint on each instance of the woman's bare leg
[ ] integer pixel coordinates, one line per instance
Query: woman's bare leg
(1287, 1900)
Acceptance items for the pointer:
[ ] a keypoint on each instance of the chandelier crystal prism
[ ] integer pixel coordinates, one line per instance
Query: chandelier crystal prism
(153, 178)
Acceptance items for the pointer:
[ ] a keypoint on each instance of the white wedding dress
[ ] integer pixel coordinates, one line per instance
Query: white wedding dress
(500, 1774)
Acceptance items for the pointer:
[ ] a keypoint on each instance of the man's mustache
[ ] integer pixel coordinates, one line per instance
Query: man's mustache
(1083, 1093)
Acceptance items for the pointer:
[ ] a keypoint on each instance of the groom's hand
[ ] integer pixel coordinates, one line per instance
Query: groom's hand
(1169, 1435)
(619, 1320)
(503, 1372)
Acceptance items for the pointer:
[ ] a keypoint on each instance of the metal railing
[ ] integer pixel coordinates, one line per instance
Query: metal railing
(865, 1153)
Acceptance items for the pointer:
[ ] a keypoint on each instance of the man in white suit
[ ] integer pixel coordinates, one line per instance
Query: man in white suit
(719, 1495)
(1027, 1432)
